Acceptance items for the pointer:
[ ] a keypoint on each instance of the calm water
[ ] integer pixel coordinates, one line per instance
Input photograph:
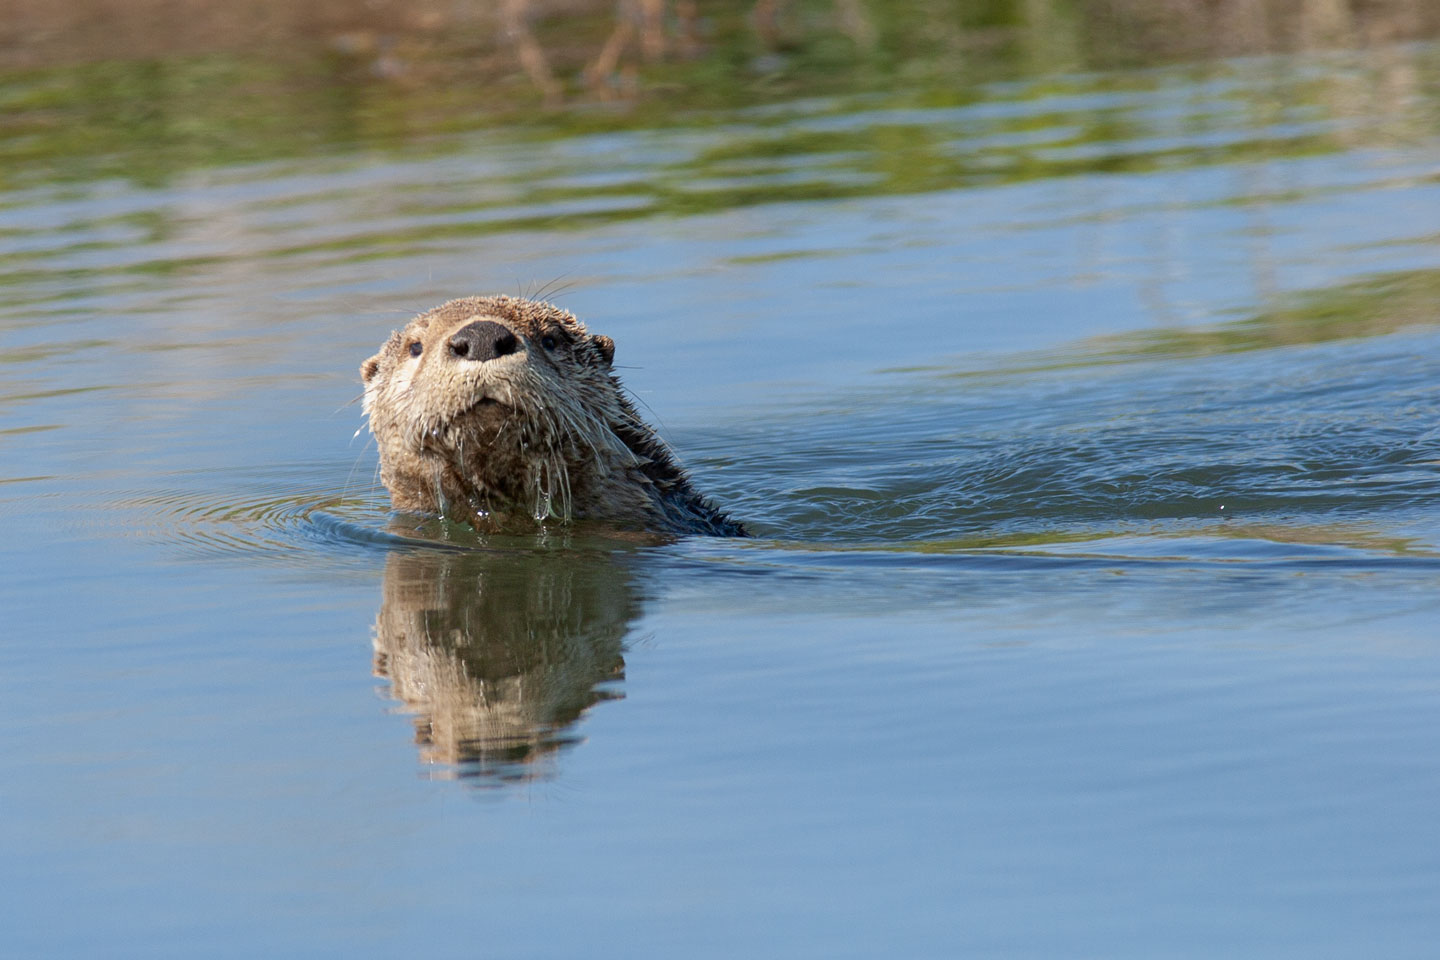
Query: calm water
(1090, 430)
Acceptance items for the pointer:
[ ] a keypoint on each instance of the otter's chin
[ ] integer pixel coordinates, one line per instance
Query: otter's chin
(484, 411)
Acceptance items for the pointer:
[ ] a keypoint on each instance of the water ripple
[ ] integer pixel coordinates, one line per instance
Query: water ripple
(275, 513)
(1329, 444)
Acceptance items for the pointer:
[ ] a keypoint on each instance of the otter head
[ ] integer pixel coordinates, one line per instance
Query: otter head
(494, 407)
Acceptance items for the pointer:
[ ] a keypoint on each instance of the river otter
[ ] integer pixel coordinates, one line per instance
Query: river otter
(502, 411)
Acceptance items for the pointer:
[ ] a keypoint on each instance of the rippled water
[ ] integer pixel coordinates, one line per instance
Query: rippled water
(1089, 431)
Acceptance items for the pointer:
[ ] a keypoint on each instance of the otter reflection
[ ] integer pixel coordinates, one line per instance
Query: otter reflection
(497, 655)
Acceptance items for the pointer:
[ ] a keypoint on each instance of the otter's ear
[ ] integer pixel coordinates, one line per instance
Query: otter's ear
(369, 368)
(606, 346)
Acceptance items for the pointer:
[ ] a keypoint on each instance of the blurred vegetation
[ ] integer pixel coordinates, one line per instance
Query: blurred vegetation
(148, 88)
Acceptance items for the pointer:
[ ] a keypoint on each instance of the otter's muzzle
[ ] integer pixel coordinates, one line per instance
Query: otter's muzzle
(482, 340)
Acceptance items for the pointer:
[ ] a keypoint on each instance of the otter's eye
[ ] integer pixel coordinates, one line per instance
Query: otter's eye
(548, 342)
(416, 347)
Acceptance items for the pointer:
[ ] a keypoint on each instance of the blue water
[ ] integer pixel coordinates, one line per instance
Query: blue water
(1092, 608)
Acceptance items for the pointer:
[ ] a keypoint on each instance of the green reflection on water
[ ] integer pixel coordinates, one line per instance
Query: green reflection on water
(1349, 536)
(1372, 306)
(150, 119)
(877, 144)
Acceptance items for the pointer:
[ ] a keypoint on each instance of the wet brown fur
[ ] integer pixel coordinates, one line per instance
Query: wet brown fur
(544, 432)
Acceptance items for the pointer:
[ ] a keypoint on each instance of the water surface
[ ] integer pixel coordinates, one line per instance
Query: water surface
(1089, 429)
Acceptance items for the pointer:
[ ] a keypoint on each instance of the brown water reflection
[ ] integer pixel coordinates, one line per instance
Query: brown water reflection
(562, 45)
(498, 655)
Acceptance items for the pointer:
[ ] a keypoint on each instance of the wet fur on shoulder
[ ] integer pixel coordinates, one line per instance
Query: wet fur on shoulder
(502, 412)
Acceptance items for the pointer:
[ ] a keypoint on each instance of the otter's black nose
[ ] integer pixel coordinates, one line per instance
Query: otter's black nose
(482, 340)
